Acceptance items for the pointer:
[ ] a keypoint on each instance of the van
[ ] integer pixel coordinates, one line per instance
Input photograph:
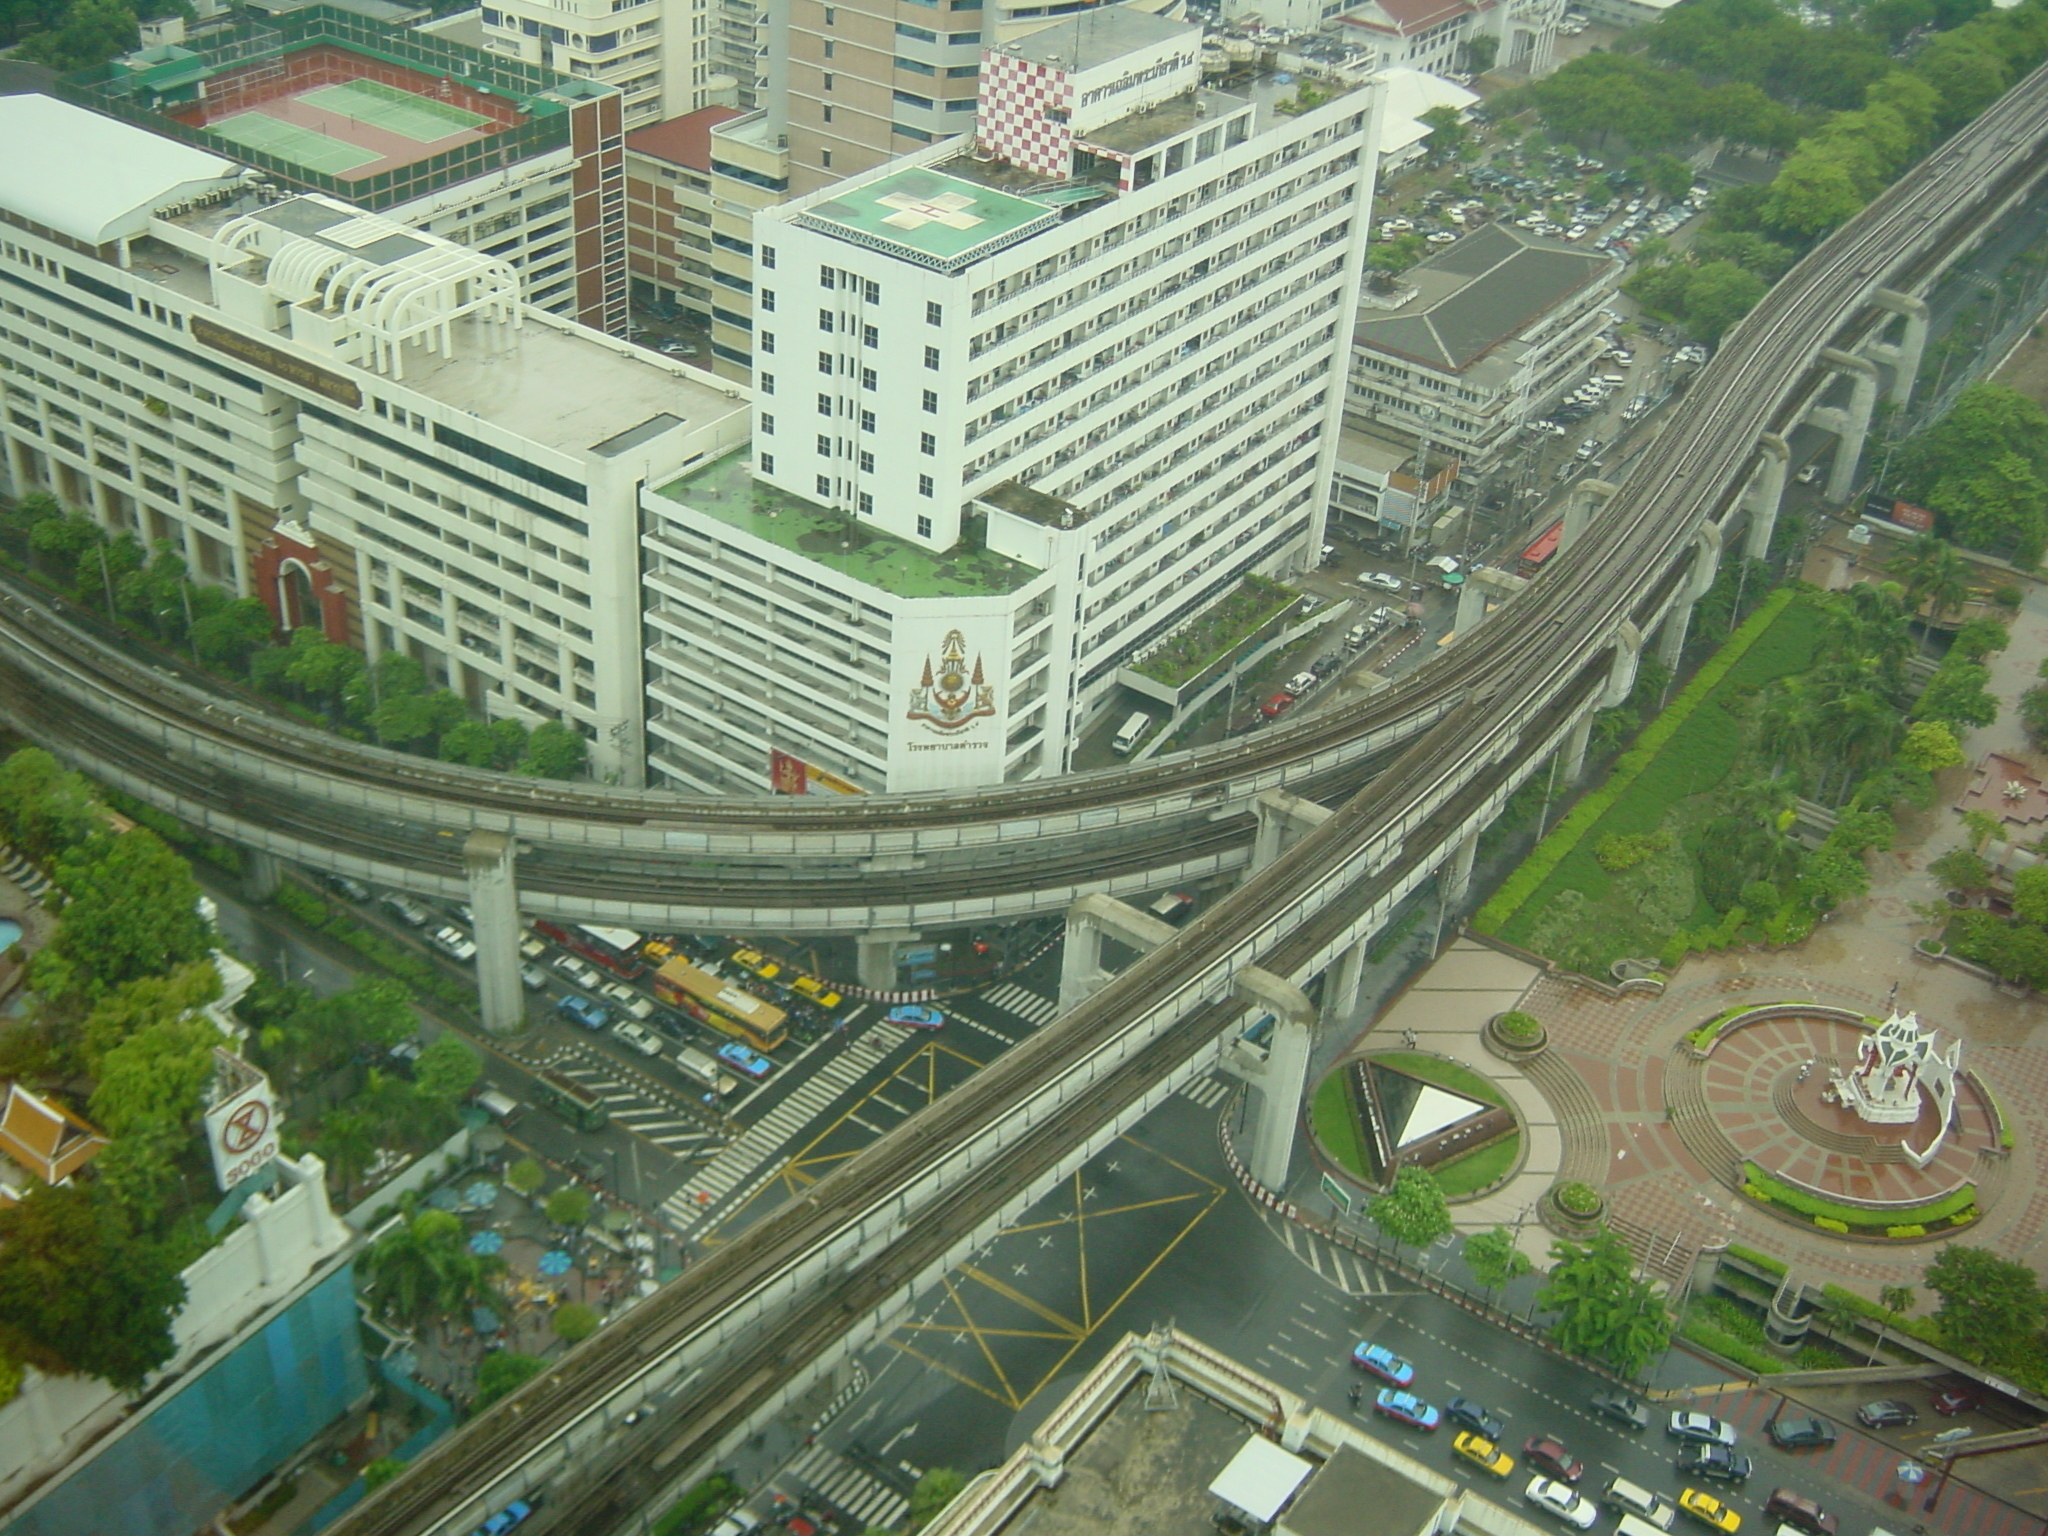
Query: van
(1131, 733)
(501, 1107)
(701, 1069)
(1173, 907)
(1614, 380)
(1632, 1499)
(1635, 1525)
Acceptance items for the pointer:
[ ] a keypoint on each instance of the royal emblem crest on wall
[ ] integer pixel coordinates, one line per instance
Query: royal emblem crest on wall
(951, 694)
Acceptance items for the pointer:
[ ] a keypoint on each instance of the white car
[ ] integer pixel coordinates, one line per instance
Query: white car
(532, 977)
(579, 972)
(1300, 683)
(637, 1004)
(1381, 580)
(453, 943)
(1700, 1429)
(1559, 1499)
(638, 1036)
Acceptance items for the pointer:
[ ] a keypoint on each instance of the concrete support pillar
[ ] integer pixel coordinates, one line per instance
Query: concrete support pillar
(1471, 607)
(1706, 562)
(490, 860)
(1628, 655)
(1578, 510)
(1575, 743)
(1905, 355)
(1671, 634)
(1481, 588)
(262, 873)
(1766, 493)
(1088, 921)
(1458, 874)
(875, 957)
(1855, 425)
(1280, 1091)
(1280, 813)
(1342, 981)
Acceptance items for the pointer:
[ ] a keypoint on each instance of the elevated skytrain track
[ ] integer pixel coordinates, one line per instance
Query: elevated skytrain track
(723, 1345)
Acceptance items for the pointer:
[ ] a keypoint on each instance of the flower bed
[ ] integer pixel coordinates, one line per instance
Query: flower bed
(1945, 1213)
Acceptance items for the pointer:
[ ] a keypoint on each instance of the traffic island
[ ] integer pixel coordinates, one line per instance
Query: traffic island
(1371, 1114)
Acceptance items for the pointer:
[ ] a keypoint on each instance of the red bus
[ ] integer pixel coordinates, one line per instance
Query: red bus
(614, 949)
(1536, 554)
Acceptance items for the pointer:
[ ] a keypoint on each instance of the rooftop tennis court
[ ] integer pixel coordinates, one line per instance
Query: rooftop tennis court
(288, 141)
(419, 118)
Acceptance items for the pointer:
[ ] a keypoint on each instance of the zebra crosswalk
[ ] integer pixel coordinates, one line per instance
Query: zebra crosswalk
(845, 1486)
(764, 1142)
(643, 1106)
(1208, 1092)
(1023, 1002)
(1352, 1275)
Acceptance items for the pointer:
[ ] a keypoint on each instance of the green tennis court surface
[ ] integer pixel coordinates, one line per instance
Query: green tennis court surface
(288, 141)
(419, 118)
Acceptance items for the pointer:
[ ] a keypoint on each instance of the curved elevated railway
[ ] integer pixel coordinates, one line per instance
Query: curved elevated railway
(739, 1329)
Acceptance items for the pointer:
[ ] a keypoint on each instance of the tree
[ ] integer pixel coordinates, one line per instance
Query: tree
(554, 751)
(421, 1270)
(347, 1144)
(43, 809)
(447, 1069)
(502, 1373)
(1447, 131)
(1957, 694)
(131, 910)
(1414, 1210)
(1603, 1310)
(321, 668)
(81, 1292)
(470, 743)
(381, 1471)
(1897, 1301)
(227, 632)
(526, 1176)
(574, 1322)
(92, 32)
(2030, 895)
(1812, 193)
(1935, 576)
(1494, 1258)
(568, 1206)
(2033, 712)
(1990, 1306)
(934, 1491)
(408, 719)
(156, 1076)
(149, 1000)
(1931, 745)
(1979, 637)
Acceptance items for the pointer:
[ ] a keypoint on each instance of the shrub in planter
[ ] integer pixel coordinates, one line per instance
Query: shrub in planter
(1829, 1224)
(1907, 1231)
(1519, 1027)
(1577, 1199)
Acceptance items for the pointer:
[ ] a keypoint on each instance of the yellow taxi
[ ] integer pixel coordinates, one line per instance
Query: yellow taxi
(757, 962)
(654, 951)
(1483, 1454)
(1710, 1511)
(818, 991)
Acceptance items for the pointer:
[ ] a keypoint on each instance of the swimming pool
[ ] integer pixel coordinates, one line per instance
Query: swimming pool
(10, 932)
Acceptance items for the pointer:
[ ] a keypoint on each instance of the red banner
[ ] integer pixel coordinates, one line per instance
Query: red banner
(787, 775)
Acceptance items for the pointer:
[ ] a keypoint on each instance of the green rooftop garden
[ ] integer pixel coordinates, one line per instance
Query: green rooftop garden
(1210, 639)
(728, 491)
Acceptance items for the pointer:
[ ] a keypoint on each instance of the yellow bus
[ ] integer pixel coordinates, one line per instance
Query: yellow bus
(724, 1006)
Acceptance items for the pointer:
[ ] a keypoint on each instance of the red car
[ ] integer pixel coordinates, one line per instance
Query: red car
(1954, 1401)
(1553, 1458)
(1277, 706)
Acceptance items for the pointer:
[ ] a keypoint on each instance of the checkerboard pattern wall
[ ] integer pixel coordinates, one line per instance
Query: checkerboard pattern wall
(1015, 95)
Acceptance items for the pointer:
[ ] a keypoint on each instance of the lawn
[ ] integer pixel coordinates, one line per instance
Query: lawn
(1336, 1130)
(1583, 916)
(1445, 1074)
(1473, 1171)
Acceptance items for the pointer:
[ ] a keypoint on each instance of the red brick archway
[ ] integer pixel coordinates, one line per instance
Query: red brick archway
(298, 587)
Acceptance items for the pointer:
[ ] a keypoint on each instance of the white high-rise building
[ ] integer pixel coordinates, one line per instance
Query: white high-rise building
(1026, 404)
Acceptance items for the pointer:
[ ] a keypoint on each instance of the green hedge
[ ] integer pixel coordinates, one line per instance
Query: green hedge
(411, 968)
(1517, 890)
(1958, 1206)
(1757, 1260)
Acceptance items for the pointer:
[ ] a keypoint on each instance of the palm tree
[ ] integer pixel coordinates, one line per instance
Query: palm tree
(1935, 576)
(348, 1144)
(422, 1270)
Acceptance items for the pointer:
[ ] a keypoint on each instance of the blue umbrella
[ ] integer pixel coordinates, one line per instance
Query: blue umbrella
(486, 1241)
(483, 1192)
(555, 1262)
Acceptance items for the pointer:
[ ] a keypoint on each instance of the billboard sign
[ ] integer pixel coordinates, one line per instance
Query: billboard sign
(242, 1126)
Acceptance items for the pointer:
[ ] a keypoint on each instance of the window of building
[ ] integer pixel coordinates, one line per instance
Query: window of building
(824, 362)
(825, 159)
(767, 463)
(827, 278)
(828, 47)
(934, 312)
(924, 526)
(918, 33)
(827, 322)
(867, 462)
(824, 405)
(768, 257)
(867, 378)
(767, 383)
(912, 99)
(824, 485)
(931, 398)
(831, 15)
(931, 357)
(824, 445)
(828, 114)
(767, 341)
(871, 290)
(927, 443)
(865, 502)
(870, 336)
(924, 485)
(828, 79)
(767, 425)
(867, 421)
(768, 300)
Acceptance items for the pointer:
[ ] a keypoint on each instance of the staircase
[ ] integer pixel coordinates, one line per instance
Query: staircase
(1669, 1259)
(1784, 1101)
(1694, 1123)
(1582, 1126)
